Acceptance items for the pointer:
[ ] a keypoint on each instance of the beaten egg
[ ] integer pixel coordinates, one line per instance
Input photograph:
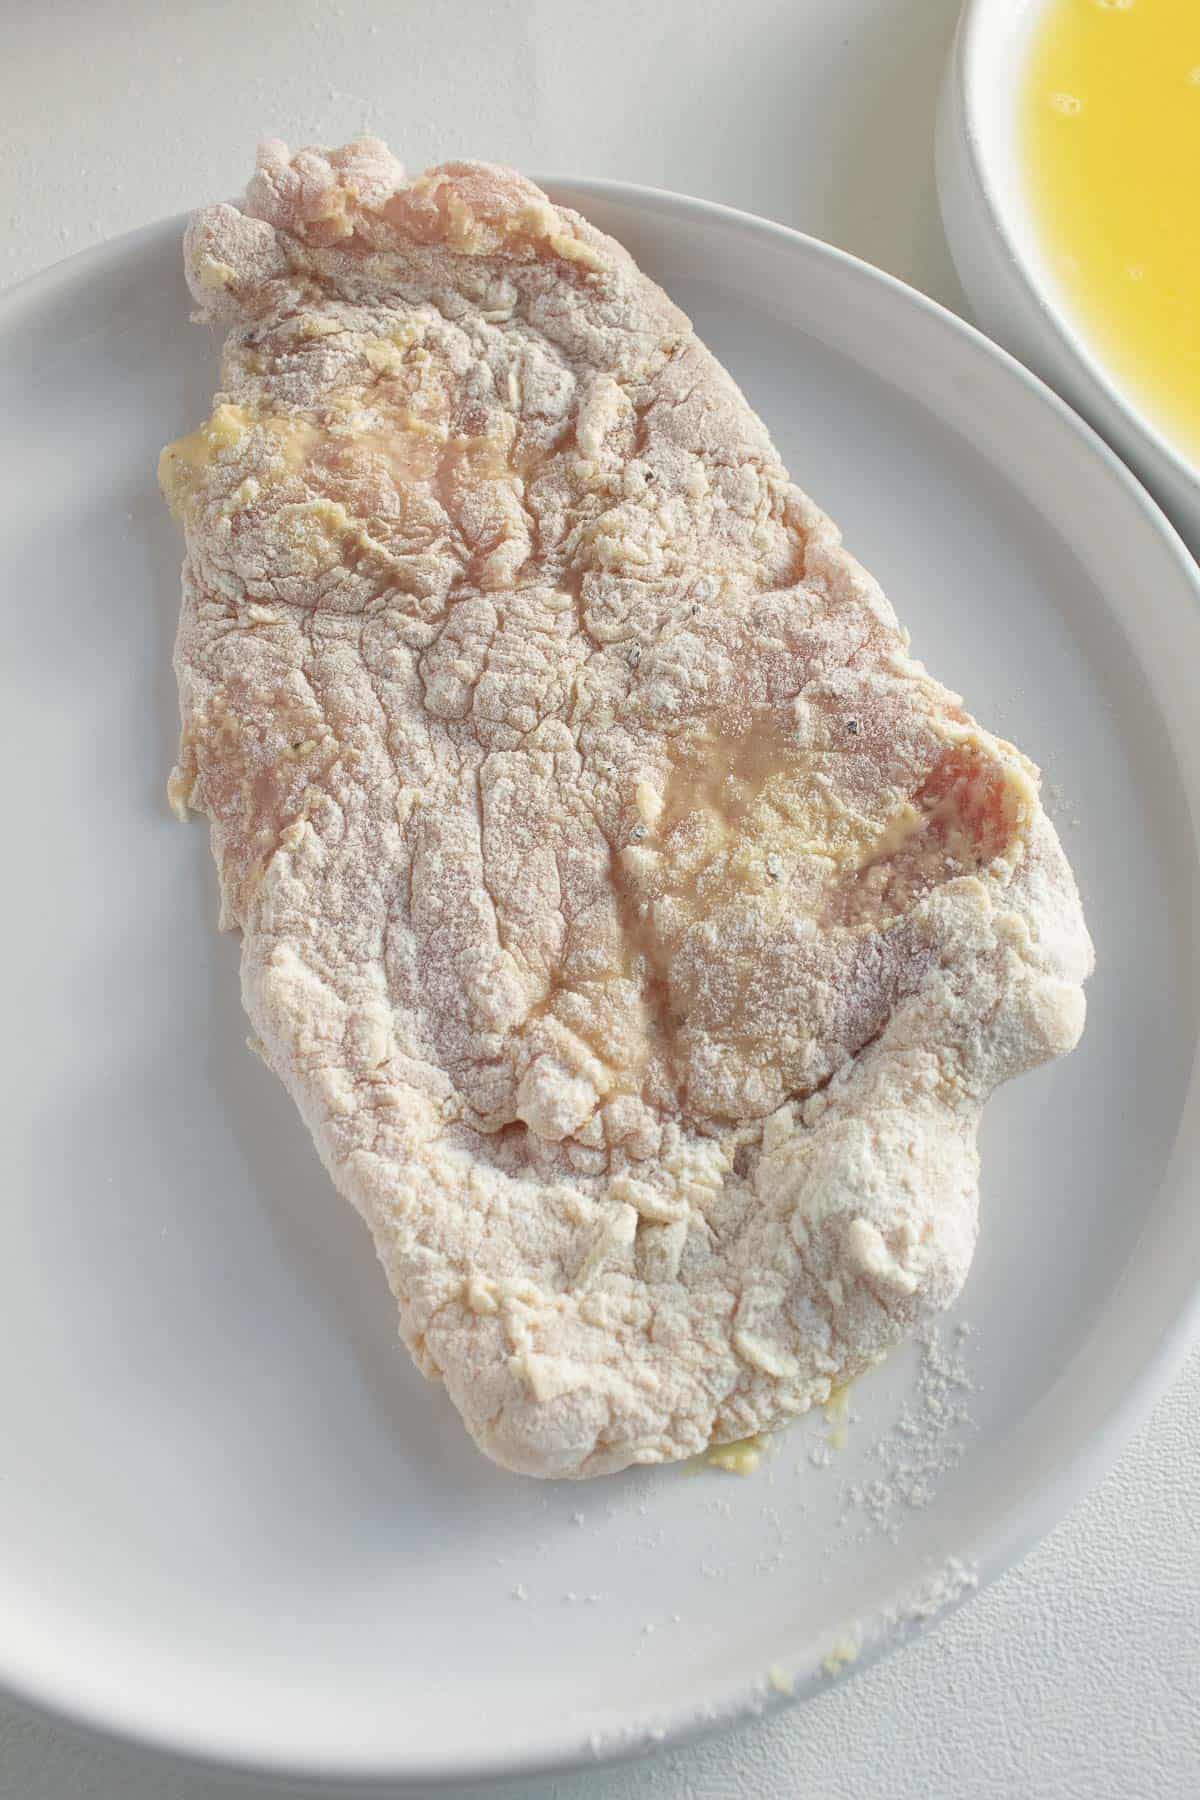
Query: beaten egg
(1110, 129)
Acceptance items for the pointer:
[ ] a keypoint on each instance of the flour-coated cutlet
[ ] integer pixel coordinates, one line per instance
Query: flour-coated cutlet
(637, 926)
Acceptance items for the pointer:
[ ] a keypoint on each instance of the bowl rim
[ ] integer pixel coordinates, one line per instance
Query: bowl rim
(972, 74)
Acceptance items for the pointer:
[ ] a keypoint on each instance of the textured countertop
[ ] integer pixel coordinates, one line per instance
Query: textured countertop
(1078, 1674)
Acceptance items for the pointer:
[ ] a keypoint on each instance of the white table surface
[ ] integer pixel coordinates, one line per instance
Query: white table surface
(1078, 1674)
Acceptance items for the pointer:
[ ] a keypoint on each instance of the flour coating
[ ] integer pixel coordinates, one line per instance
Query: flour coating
(637, 926)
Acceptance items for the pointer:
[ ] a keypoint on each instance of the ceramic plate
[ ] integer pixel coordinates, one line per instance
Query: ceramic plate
(233, 1519)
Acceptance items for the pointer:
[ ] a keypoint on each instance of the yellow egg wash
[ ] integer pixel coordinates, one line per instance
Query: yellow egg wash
(1110, 130)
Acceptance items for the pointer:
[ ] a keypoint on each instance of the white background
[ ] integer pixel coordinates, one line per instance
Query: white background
(1079, 1673)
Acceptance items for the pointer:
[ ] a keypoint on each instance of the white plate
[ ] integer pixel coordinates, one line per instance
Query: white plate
(233, 1520)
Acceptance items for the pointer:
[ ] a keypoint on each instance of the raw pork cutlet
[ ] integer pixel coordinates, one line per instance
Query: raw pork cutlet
(638, 928)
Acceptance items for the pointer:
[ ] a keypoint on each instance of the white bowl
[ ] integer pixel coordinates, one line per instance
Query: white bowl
(1000, 259)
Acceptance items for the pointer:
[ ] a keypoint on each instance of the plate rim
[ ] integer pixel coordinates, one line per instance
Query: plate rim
(1002, 1541)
